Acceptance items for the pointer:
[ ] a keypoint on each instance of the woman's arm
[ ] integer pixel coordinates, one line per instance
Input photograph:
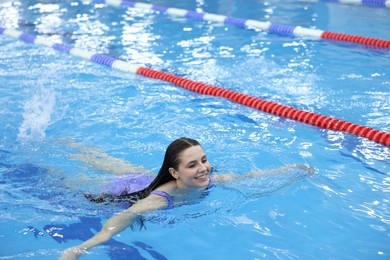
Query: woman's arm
(283, 169)
(114, 225)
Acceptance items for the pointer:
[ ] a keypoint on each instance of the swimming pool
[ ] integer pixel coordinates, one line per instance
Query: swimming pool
(49, 97)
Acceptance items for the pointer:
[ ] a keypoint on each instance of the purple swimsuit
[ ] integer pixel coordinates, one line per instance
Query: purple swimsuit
(127, 183)
(170, 198)
(132, 182)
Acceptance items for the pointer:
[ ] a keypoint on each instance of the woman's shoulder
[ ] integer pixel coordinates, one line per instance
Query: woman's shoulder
(168, 187)
(218, 177)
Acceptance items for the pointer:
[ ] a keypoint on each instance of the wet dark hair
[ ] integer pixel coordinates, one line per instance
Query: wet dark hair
(171, 160)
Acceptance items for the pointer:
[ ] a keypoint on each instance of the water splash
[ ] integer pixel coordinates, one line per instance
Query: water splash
(37, 113)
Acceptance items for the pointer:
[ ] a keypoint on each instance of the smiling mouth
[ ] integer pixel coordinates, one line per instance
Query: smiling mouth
(202, 176)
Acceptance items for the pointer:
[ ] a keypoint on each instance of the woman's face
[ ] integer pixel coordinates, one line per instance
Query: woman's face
(193, 170)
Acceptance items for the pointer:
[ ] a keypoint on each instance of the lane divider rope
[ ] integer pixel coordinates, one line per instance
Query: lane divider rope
(370, 3)
(279, 29)
(270, 107)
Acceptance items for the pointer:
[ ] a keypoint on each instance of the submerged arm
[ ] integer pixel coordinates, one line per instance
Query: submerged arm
(283, 169)
(114, 225)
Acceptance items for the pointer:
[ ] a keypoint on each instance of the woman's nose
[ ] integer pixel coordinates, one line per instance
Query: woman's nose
(203, 167)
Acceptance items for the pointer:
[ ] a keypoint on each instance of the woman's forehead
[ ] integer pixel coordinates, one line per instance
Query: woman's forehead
(192, 153)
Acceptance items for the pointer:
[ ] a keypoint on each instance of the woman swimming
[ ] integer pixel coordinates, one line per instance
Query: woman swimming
(185, 173)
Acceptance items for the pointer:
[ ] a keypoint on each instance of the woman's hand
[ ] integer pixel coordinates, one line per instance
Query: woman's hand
(304, 167)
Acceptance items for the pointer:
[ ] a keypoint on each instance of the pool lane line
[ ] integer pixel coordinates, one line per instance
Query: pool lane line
(369, 3)
(279, 29)
(270, 107)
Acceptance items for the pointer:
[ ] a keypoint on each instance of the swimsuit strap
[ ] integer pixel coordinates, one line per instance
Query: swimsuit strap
(211, 182)
(166, 195)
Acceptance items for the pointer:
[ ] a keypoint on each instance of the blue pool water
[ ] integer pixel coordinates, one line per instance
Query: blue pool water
(49, 98)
